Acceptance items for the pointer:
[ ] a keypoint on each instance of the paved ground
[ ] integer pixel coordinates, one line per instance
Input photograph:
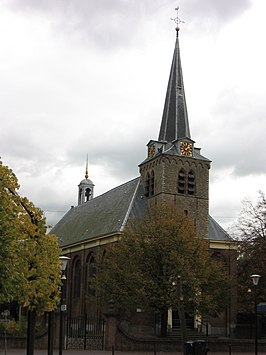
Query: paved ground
(93, 352)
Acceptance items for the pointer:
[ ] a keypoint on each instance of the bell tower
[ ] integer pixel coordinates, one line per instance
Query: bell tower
(85, 188)
(174, 170)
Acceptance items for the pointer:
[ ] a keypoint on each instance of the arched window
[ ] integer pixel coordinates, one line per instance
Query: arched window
(181, 182)
(77, 279)
(91, 273)
(88, 194)
(149, 184)
(186, 183)
(191, 183)
(152, 183)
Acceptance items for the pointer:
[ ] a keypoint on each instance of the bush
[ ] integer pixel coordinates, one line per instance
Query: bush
(16, 328)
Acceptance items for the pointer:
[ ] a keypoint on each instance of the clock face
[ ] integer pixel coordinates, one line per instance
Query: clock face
(186, 148)
(151, 151)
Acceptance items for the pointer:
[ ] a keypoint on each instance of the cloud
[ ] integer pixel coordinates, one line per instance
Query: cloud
(214, 14)
(83, 76)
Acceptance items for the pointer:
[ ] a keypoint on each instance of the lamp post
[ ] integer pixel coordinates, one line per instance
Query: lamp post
(64, 260)
(255, 279)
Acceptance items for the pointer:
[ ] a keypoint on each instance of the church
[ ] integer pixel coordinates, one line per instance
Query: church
(174, 170)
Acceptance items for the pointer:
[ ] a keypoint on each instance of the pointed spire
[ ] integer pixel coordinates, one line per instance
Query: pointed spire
(174, 123)
(86, 172)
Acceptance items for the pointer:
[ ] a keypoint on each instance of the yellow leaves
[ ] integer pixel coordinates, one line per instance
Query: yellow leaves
(31, 270)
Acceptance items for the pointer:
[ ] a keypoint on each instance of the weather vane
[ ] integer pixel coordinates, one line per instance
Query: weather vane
(177, 19)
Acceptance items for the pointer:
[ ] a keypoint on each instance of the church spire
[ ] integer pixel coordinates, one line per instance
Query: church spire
(174, 123)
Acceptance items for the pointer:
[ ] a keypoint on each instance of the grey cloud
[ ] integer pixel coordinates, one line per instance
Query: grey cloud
(215, 12)
(233, 139)
(120, 156)
(118, 23)
(106, 23)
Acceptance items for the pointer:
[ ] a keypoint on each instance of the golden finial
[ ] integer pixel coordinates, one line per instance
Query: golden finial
(86, 172)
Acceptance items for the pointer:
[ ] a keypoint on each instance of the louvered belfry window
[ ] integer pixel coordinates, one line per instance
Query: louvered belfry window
(149, 184)
(186, 182)
(191, 183)
(181, 183)
(152, 183)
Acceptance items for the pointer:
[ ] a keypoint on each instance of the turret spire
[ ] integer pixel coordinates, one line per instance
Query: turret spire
(86, 171)
(175, 118)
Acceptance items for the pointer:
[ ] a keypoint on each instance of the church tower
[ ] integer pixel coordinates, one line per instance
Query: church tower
(85, 188)
(174, 170)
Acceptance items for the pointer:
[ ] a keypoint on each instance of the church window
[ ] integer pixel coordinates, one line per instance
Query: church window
(191, 183)
(186, 183)
(77, 279)
(91, 273)
(88, 194)
(149, 184)
(181, 183)
(152, 183)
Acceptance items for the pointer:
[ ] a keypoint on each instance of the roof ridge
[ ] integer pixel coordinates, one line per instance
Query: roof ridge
(130, 207)
(107, 192)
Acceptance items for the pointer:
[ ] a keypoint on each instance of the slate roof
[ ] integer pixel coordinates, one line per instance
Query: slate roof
(216, 232)
(103, 215)
(175, 123)
(107, 214)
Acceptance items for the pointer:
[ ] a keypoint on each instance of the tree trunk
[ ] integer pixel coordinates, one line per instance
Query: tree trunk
(181, 313)
(31, 320)
(51, 318)
(164, 316)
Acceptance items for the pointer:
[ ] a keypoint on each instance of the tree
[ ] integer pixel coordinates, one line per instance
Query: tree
(159, 263)
(250, 229)
(30, 265)
(29, 258)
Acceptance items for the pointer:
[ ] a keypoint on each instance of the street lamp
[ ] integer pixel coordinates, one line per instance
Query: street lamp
(64, 260)
(255, 279)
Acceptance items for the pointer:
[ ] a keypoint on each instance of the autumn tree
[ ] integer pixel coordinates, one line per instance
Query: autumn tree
(29, 257)
(159, 263)
(250, 229)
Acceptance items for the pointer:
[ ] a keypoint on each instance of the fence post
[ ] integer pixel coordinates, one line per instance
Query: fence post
(85, 334)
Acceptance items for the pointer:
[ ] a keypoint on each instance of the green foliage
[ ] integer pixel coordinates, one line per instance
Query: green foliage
(155, 253)
(29, 258)
(251, 231)
(11, 327)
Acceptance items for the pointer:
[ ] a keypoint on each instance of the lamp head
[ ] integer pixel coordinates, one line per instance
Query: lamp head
(64, 261)
(255, 279)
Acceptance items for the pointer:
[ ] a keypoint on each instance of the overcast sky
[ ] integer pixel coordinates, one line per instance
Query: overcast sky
(90, 76)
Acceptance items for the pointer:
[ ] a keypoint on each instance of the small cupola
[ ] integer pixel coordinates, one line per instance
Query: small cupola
(85, 188)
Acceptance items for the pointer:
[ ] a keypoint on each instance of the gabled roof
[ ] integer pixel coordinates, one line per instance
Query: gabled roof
(104, 215)
(216, 232)
(108, 214)
(175, 118)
